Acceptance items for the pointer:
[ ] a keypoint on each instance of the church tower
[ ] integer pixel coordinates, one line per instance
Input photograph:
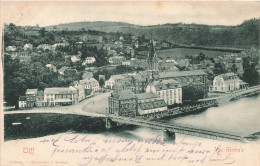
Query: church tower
(152, 57)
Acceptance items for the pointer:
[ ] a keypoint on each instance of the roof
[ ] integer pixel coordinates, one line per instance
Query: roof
(63, 69)
(143, 96)
(90, 58)
(31, 91)
(153, 104)
(197, 83)
(88, 91)
(117, 77)
(88, 80)
(228, 76)
(181, 73)
(166, 84)
(124, 94)
(59, 90)
(242, 82)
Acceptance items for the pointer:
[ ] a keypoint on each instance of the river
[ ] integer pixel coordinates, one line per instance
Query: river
(240, 117)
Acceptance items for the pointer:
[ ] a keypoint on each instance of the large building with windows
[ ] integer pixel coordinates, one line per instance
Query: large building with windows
(60, 96)
(226, 83)
(123, 103)
(168, 90)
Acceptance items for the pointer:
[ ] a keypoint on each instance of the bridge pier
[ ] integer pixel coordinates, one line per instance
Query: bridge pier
(168, 135)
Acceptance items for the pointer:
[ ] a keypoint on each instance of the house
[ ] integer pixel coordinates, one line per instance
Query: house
(183, 62)
(89, 60)
(117, 60)
(75, 58)
(10, 48)
(45, 47)
(27, 46)
(168, 90)
(185, 77)
(126, 63)
(227, 82)
(81, 92)
(139, 83)
(22, 102)
(60, 96)
(31, 97)
(40, 99)
(62, 70)
(123, 103)
(51, 67)
(113, 80)
(90, 83)
(87, 75)
(150, 103)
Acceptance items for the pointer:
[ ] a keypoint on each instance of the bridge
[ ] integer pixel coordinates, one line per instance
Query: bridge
(170, 129)
(234, 95)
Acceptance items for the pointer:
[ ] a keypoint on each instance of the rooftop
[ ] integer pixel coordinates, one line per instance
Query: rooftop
(152, 104)
(124, 94)
(31, 91)
(143, 96)
(181, 73)
(59, 90)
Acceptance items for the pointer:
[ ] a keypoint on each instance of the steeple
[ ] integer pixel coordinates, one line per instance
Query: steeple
(152, 57)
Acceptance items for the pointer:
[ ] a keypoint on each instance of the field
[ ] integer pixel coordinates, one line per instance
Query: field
(182, 52)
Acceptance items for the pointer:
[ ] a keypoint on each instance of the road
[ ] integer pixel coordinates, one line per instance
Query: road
(94, 106)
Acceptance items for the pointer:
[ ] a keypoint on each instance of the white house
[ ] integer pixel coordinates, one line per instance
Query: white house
(28, 46)
(89, 60)
(226, 82)
(81, 92)
(126, 63)
(113, 80)
(75, 58)
(168, 90)
(22, 102)
(51, 67)
(90, 83)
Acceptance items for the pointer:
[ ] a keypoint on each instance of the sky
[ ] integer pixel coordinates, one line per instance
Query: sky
(140, 13)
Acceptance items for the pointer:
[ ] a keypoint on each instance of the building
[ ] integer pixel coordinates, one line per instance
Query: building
(139, 83)
(62, 70)
(126, 63)
(45, 47)
(185, 77)
(168, 90)
(31, 97)
(117, 60)
(89, 60)
(28, 46)
(123, 103)
(226, 83)
(10, 48)
(51, 67)
(81, 92)
(22, 102)
(75, 58)
(113, 80)
(40, 99)
(60, 96)
(150, 103)
(90, 83)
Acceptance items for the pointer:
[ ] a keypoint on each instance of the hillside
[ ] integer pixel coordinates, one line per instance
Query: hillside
(245, 35)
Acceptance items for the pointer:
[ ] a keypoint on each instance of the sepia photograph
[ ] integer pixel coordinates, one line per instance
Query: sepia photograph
(87, 83)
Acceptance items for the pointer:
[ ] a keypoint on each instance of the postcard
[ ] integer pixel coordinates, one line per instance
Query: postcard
(86, 83)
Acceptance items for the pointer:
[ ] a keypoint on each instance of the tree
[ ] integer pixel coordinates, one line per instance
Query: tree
(234, 68)
(191, 94)
(101, 82)
(42, 32)
(219, 69)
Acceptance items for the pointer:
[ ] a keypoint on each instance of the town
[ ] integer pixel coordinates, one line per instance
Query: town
(142, 75)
